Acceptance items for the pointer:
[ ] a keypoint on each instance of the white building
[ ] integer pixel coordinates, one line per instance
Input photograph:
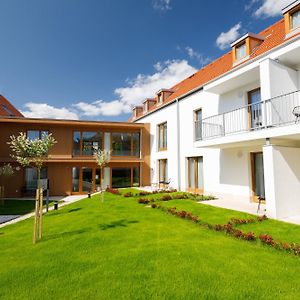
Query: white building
(231, 129)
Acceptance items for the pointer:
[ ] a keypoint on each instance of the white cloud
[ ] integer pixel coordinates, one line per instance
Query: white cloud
(200, 58)
(43, 110)
(271, 8)
(167, 74)
(225, 38)
(161, 5)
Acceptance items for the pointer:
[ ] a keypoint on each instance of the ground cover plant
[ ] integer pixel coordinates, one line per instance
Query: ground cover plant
(121, 249)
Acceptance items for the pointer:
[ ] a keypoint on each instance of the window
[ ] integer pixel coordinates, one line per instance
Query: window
(31, 178)
(125, 144)
(160, 98)
(195, 174)
(75, 179)
(295, 19)
(198, 124)
(86, 142)
(145, 107)
(36, 134)
(162, 137)
(163, 170)
(240, 51)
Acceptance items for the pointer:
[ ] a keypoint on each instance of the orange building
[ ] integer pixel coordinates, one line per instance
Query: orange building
(70, 166)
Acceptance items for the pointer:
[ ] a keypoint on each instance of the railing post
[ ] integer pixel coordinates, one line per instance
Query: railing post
(264, 106)
(223, 120)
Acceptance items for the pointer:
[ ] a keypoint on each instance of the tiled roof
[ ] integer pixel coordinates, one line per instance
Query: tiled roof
(7, 109)
(273, 37)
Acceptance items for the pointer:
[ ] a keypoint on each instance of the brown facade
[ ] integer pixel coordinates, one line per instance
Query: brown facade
(61, 159)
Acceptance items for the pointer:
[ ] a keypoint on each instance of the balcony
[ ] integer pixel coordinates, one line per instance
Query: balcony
(275, 112)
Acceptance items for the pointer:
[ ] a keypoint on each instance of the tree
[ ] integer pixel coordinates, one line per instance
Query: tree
(102, 159)
(5, 171)
(33, 153)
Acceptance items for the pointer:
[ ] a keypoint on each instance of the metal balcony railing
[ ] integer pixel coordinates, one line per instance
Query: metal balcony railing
(274, 112)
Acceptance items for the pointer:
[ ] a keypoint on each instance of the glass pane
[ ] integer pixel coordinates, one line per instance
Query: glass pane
(259, 176)
(136, 144)
(136, 176)
(161, 137)
(75, 179)
(91, 141)
(121, 177)
(33, 135)
(241, 51)
(191, 162)
(121, 144)
(296, 19)
(165, 136)
(98, 179)
(87, 179)
(200, 184)
(76, 143)
(31, 177)
(43, 133)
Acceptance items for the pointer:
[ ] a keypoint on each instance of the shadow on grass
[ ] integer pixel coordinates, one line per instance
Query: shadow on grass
(65, 234)
(119, 223)
(74, 209)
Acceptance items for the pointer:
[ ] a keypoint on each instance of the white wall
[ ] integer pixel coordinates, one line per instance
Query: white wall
(282, 181)
(167, 114)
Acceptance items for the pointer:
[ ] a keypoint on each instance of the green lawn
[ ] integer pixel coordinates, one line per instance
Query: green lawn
(120, 249)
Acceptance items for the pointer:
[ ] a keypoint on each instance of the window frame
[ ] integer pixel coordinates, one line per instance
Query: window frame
(81, 142)
(195, 112)
(164, 126)
(164, 162)
(131, 144)
(195, 160)
(291, 14)
(39, 131)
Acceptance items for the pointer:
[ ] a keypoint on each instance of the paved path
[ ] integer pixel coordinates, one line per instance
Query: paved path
(66, 201)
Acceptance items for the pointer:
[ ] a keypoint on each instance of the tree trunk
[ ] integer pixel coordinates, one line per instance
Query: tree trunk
(101, 184)
(40, 202)
(36, 216)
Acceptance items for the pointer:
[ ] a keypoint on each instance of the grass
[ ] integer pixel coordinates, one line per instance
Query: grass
(120, 249)
(18, 207)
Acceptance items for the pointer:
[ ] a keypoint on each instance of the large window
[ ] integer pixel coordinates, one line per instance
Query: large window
(240, 51)
(31, 178)
(163, 170)
(125, 144)
(195, 174)
(295, 19)
(36, 134)
(162, 137)
(198, 124)
(86, 142)
(121, 177)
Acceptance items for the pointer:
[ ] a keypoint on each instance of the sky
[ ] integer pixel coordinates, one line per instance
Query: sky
(96, 59)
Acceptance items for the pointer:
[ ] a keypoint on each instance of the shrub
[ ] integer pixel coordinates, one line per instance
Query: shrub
(241, 221)
(166, 198)
(144, 193)
(295, 248)
(218, 227)
(143, 201)
(113, 191)
(154, 205)
(262, 218)
(266, 239)
(249, 236)
(129, 194)
(180, 196)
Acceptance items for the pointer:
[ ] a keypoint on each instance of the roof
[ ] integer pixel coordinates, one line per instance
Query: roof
(273, 36)
(7, 109)
(73, 123)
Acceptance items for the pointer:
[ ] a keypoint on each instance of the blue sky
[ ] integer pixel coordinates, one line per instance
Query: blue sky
(95, 59)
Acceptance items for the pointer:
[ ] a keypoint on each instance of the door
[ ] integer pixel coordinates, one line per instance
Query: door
(254, 109)
(258, 181)
(195, 174)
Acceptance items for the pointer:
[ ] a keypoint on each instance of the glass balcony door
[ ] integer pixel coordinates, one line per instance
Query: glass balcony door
(255, 109)
(258, 181)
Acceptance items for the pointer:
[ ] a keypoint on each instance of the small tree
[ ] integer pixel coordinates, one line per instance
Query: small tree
(102, 159)
(33, 152)
(5, 171)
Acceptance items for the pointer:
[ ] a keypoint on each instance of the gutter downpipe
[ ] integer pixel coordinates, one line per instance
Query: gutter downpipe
(178, 144)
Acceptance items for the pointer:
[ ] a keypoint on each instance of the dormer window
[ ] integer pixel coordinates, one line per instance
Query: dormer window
(160, 98)
(240, 51)
(245, 46)
(145, 106)
(292, 18)
(295, 19)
